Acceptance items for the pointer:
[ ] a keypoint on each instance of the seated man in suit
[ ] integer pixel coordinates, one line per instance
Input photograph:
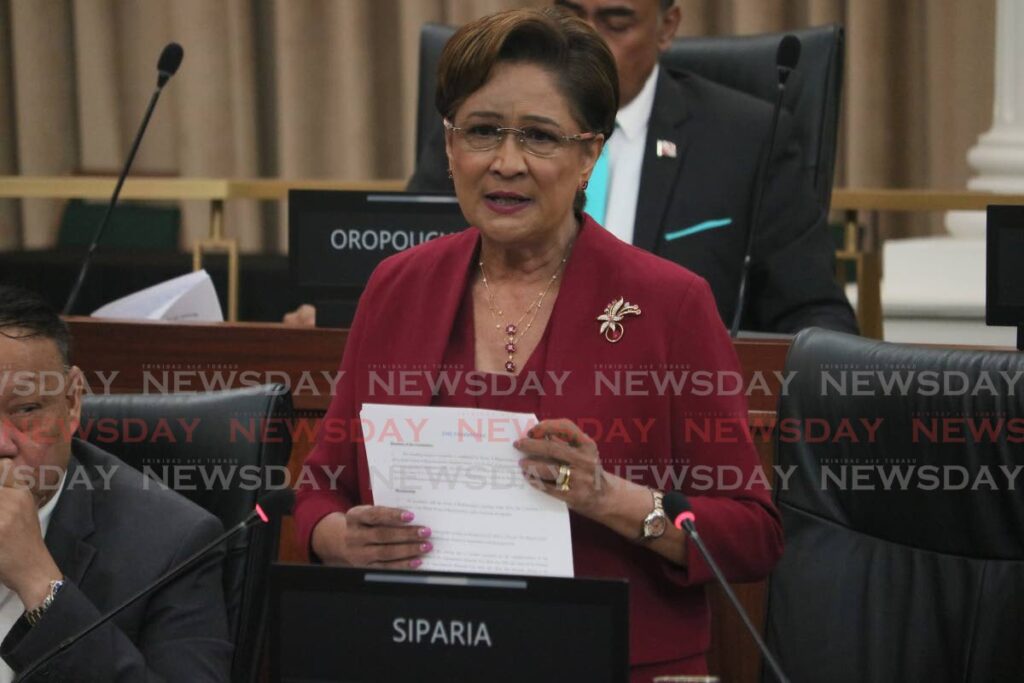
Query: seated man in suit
(80, 532)
(681, 174)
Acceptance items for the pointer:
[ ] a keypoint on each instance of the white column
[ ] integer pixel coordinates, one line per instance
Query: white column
(933, 288)
(998, 158)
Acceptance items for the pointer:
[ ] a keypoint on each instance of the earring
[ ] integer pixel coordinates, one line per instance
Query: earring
(583, 187)
(450, 177)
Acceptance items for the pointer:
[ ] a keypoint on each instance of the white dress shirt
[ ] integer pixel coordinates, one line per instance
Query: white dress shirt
(626, 159)
(11, 608)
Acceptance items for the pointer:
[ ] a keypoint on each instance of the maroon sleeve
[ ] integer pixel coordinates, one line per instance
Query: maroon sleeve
(330, 481)
(738, 523)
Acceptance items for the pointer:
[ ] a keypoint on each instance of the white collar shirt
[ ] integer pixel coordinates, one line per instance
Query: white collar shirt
(626, 159)
(11, 608)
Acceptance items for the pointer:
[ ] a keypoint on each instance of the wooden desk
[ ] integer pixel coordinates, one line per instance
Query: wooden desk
(913, 200)
(101, 187)
(215, 190)
(861, 246)
(136, 357)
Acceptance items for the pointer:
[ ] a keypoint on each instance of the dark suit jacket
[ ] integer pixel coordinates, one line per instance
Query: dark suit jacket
(720, 134)
(652, 436)
(110, 542)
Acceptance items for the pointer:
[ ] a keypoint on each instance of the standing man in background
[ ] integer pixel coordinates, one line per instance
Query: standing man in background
(679, 176)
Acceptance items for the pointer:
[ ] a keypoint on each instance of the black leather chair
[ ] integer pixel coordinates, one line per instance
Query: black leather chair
(745, 63)
(899, 572)
(224, 429)
(432, 40)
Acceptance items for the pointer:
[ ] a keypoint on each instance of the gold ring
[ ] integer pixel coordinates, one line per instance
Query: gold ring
(564, 474)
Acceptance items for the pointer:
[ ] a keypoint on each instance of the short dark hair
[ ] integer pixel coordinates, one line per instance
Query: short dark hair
(565, 45)
(25, 310)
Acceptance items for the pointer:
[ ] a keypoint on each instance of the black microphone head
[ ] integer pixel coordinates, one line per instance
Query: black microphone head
(170, 60)
(675, 503)
(276, 503)
(788, 54)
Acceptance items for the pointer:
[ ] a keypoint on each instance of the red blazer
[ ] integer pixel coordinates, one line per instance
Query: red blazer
(657, 426)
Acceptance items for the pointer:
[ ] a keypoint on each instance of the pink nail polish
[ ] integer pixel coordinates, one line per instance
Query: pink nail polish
(415, 564)
(408, 516)
(424, 532)
(426, 547)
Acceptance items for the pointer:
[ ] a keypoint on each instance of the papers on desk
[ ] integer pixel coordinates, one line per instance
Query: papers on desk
(457, 471)
(189, 298)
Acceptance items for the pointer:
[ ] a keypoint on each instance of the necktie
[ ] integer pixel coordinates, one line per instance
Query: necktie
(597, 188)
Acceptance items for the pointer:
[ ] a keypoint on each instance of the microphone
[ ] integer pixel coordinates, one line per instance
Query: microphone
(677, 507)
(167, 66)
(271, 505)
(786, 57)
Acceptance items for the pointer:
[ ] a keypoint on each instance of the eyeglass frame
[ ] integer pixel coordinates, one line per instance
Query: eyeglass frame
(521, 138)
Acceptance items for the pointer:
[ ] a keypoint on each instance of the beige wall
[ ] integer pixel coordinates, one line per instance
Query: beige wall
(326, 89)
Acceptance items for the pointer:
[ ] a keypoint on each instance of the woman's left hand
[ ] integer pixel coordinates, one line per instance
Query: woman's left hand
(563, 461)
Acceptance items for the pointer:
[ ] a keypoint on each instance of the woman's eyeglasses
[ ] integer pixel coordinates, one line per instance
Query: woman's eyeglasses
(482, 137)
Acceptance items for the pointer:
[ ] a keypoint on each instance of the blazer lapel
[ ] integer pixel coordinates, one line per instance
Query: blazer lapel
(573, 324)
(658, 175)
(434, 307)
(72, 524)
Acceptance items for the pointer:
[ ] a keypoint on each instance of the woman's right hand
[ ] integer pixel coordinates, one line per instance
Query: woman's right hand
(371, 536)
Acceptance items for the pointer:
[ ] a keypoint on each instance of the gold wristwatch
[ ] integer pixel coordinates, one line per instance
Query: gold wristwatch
(34, 615)
(656, 521)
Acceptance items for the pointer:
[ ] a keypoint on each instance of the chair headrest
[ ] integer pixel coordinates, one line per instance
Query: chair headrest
(918, 445)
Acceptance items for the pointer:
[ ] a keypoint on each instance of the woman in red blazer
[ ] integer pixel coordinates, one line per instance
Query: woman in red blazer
(617, 351)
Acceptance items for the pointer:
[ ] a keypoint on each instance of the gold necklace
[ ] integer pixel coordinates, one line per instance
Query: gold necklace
(512, 334)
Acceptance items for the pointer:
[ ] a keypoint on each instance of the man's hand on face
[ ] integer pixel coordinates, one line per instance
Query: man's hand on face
(26, 566)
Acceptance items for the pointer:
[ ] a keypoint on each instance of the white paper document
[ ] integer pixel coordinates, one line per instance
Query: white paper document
(189, 298)
(457, 470)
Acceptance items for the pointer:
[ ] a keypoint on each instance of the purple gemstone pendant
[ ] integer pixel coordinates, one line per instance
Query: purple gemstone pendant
(510, 366)
(510, 328)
